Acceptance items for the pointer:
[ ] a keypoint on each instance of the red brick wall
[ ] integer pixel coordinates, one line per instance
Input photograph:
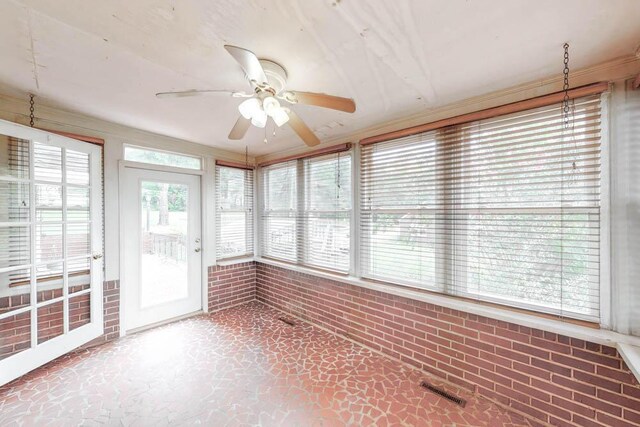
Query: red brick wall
(550, 377)
(15, 332)
(111, 316)
(231, 285)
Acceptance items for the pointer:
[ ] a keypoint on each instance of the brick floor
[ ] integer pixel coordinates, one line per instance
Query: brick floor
(241, 366)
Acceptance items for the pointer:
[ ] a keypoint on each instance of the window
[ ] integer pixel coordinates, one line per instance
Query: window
(306, 211)
(234, 212)
(162, 158)
(505, 210)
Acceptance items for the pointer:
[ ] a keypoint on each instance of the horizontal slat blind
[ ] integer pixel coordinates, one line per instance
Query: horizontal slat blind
(307, 210)
(504, 210)
(327, 212)
(279, 211)
(234, 212)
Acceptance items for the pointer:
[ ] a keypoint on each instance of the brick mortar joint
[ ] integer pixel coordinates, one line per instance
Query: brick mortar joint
(283, 277)
(410, 366)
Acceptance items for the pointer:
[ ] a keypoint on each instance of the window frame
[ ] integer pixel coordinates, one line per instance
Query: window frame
(301, 212)
(604, 298)
(200, 159)
(250, 222)
(502, 309)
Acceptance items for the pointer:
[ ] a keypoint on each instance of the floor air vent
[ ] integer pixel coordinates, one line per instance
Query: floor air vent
(287, 321)
(441, 392)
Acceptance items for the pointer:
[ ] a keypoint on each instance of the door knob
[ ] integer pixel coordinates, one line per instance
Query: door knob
(197, 249)
(96, 256)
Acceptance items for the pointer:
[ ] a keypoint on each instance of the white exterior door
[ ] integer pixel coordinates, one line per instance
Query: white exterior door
(161, 244)
(51, 243)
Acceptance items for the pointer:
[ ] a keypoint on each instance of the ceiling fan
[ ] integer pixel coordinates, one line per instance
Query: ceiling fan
(268, 80)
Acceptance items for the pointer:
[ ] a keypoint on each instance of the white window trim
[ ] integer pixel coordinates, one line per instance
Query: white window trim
(598, 336)
(605, 214)
(302, 226)
(156, 165)
(627, 345)
(247, 256)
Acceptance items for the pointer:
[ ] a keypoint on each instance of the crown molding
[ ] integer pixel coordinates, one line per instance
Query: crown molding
(618, 69)
(58, 119)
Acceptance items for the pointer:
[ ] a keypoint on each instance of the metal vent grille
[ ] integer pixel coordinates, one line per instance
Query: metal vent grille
(441, 392)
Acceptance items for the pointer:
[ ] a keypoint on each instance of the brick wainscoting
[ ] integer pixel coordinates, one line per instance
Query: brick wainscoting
(111, 306)
(15, 331)
(231, 285)
(550, 377)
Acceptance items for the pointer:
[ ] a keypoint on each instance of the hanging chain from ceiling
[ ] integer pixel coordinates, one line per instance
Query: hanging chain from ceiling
(31, 109)
(565, 87)
(567, 103)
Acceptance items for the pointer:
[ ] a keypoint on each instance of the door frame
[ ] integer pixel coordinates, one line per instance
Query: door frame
(34, 357)
(122, 166)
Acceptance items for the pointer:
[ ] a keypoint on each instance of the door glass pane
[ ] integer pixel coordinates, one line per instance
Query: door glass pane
(48, 242)
(48, 202)
(77, 167)
(47, 162)
(14, 201)
(14, 157)
(15, 284)
(50, 323)
(14, 246)
(15, 332)
(79, 274)
(79, 311)
(77, 204)
(49, 281)
(78, 242)
(15, 288)
(163, 263)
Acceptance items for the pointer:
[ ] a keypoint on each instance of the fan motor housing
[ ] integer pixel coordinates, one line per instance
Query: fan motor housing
(276, 75)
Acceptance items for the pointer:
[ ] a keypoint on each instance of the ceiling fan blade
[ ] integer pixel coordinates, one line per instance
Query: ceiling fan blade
(249, 63)
(302, 129)
(321, 100)
(194, 92)
(240, 128)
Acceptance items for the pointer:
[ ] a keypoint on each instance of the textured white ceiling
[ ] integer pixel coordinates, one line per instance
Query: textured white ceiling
(395, 58)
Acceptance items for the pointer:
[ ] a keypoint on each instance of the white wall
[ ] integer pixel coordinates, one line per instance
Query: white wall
(114, 135)
(624, 165)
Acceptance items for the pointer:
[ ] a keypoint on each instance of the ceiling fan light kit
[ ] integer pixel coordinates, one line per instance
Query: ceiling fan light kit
(249, 107)
(280, 116)
(268, 81)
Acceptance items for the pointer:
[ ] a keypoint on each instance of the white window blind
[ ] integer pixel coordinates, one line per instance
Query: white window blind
(234, 212)
(279, 212)
(505, 210)
(306, 211)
